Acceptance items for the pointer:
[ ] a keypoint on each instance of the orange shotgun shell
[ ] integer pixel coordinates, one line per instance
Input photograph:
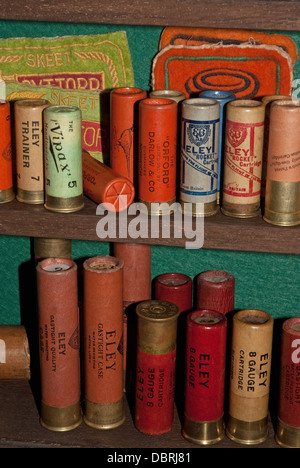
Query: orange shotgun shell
(103, 342)
(103, 185)
(157, 153)
(59, 344)
(123, 123)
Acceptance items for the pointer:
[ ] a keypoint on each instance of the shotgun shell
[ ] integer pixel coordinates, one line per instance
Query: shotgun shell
(6, 171)
(215, 291)
(267, 101)
(156, 358)
(52, 248)
(136, 288)
(250, 376)
(288, 424)
(176, 288)
(123, 130)
(59, 344)
(282, 198)
(157, 154)
(103, 347)
(172, 94)
(136, 272)
(63, 158)
(199, 155)
(14, 353)
(29, 150)
(205, 377)
(243, 158)
(103, 185)
(223, 97)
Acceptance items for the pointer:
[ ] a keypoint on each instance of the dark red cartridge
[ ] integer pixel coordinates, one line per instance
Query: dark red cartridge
(176, 288)
(215, 291)
(204, 378)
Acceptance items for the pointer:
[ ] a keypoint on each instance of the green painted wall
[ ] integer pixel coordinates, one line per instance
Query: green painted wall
(266, 281)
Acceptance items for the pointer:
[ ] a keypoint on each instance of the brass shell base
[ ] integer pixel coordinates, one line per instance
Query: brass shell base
(240, 211)
(104, 415)
(282, 203)
(7, 195)
(202, 210)
(64, 205)
(30, 197)
(247, 432)
(281, 219)
(287, 436)
(203, 433)
(61, 419)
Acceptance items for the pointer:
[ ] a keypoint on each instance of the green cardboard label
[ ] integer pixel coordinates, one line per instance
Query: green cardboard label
(72, 70)
(63, 154)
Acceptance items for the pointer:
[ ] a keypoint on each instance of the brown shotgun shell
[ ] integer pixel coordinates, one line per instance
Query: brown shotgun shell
(59, 344)
(136, 285)
(251, 351)
(215, 291)
(103, 345)
(103, 185)
(282, 198)
(243, 158)
(30, 150)
(14, 353)
(52, 248)
(123, 129)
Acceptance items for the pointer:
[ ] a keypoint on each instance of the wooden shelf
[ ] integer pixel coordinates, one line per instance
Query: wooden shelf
(20, 427)
(220, 231)
(19, 421)
(256, 14)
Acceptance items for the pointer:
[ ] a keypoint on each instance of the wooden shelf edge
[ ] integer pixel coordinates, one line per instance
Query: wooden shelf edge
(257, 14)
(20, 428)
(220, 231)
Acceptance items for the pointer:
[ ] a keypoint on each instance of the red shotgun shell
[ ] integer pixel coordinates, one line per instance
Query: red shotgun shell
(205, 376)
(288, 426)
(155, 371)
(215, 291)
(59, 344)
(157, 152)
(103, 185)
(103, 329)
(123, 125)
(6, 171)
(176, 288)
